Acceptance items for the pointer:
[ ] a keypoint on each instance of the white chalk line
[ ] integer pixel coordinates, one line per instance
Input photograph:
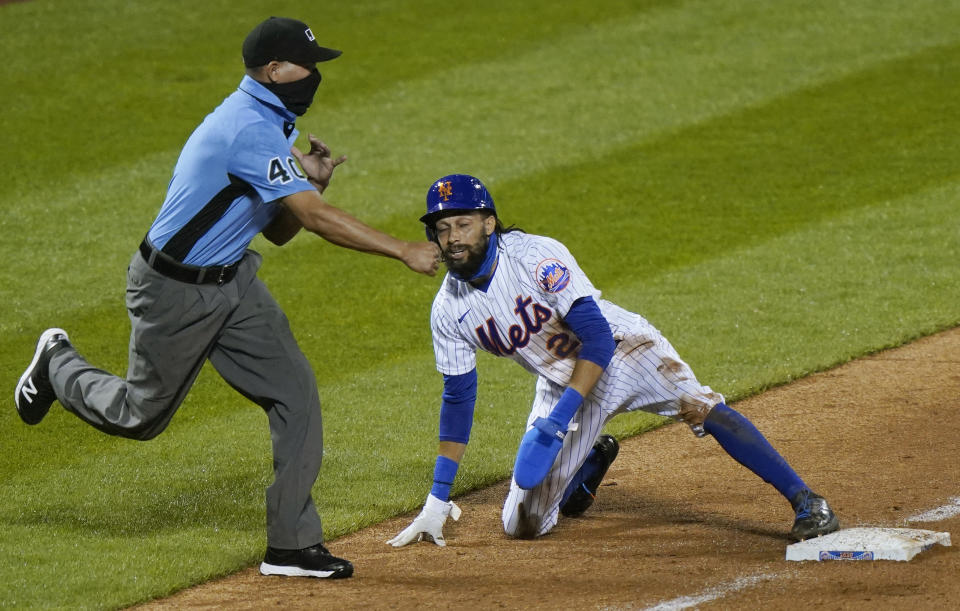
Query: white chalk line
(711, 594)
(940, 513)
(943, 512)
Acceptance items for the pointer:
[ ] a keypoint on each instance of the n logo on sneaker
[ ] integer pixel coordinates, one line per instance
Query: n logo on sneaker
(29, 390)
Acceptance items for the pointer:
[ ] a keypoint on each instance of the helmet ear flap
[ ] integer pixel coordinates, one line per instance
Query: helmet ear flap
(431, 233)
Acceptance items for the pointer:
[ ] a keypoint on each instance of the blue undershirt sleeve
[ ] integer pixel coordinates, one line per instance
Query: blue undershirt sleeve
(456, 408)
(592, 329)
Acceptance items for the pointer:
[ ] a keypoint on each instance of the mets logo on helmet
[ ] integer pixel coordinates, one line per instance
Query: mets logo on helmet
(552, 275)
(445, 190)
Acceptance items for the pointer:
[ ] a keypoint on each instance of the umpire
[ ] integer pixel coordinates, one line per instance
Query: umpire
(193, 292)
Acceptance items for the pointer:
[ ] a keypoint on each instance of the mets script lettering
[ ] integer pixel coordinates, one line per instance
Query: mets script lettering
(518, 336)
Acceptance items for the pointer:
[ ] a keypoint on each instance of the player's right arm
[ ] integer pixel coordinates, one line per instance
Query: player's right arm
(456, 420)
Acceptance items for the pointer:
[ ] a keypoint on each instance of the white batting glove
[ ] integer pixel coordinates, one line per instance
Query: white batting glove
(429, 524)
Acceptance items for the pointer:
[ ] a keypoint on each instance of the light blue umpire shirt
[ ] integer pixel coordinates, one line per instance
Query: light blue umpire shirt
(230, 173)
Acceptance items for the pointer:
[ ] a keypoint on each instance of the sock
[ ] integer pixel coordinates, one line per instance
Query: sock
(741, 440)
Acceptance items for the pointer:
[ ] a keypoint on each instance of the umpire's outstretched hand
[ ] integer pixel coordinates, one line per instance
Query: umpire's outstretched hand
(422, 257)
(317, 163)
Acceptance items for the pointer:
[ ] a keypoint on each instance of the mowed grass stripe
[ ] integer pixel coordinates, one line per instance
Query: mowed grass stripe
(852, 284)
(137, 76)
(753, 174)
(614, 84)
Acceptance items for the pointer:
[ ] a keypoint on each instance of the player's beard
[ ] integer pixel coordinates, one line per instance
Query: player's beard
(468, 266)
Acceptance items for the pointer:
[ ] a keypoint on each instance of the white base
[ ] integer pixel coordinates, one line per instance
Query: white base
(868, 544)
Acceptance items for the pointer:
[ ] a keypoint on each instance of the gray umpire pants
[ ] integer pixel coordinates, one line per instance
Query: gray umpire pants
(175, 328)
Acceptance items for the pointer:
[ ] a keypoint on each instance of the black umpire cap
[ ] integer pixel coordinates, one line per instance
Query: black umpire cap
(284, 39)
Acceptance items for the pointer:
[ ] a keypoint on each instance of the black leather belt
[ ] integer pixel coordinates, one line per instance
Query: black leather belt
(171, 268)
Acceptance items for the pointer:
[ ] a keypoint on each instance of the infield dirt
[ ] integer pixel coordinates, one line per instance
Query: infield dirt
(678, 523)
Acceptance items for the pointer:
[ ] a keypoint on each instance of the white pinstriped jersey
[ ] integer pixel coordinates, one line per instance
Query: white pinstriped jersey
(520, 315)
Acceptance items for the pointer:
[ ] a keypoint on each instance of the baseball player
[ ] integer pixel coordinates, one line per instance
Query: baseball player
(524, 297)
(193, 292)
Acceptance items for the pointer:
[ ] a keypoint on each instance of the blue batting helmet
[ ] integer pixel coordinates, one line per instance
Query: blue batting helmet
(455, 192)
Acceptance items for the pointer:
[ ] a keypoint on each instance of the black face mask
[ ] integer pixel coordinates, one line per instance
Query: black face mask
(297, 95)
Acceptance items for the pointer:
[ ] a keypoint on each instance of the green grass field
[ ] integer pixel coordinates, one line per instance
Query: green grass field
(774, 186)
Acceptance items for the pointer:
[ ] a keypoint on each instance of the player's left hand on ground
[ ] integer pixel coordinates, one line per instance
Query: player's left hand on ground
(537, 453)
(317, 163)
(429, 524)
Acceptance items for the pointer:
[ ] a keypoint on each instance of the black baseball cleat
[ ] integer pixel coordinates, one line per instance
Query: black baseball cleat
(314, 561)
(34, 394)
(814, 516)
(581, 498)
